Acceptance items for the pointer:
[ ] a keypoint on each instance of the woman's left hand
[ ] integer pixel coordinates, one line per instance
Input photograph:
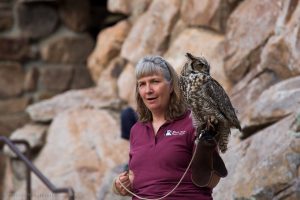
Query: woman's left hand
(126, 178)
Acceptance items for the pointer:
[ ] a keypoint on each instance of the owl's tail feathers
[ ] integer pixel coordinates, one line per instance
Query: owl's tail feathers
(235, 123)
(238, 126)
(223, 140)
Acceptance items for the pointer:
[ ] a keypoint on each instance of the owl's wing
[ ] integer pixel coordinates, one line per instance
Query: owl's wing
(220, 99)
(183, 82)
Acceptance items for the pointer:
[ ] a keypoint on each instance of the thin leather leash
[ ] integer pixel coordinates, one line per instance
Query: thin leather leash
(143, 198)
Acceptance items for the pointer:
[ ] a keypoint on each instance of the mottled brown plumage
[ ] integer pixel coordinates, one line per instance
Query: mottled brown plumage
(210, 105)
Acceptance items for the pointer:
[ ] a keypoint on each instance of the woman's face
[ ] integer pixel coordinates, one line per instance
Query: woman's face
(155, 92)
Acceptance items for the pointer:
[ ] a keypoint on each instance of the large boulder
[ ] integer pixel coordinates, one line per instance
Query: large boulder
(67, 47)
(273, 104)
(34, 134)
(36, 20)
(6, 15)
(128, 7)
(242, 46)
(46, 110)
(207, 13)
(150, 33)
(108, 79)
(82, 146)
(14, 49)
(282, 51)
(76, 14)
(264, 166)
(108, 46)
(11, 79)
(126, 85)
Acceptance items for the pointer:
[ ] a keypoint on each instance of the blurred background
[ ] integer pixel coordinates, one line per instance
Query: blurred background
(67, 70)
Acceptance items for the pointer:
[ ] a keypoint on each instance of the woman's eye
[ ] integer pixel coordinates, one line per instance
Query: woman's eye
(140, 85)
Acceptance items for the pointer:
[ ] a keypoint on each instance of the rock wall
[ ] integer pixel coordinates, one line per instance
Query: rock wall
(44, 46)
(252, 46)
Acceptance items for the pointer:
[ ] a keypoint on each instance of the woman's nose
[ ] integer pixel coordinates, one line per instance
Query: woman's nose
(148, 88)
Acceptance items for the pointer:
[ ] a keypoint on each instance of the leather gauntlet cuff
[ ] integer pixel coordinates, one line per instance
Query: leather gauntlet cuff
(207, 167)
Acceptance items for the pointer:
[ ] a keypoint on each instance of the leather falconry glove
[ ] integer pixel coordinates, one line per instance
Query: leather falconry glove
(207, 167)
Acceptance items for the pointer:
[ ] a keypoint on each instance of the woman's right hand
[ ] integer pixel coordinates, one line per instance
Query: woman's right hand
(126, 179)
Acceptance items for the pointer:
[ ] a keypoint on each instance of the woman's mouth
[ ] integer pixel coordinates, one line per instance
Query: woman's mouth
(151, 99)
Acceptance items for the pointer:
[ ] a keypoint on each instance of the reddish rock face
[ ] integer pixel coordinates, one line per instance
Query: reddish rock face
(12, 79)
(66, 48)
(108, 47)
(149, 34)
(263, 165)
(62, 75)
(242, 45)
(46, 46)
(128, 7)
(14, 49)
(212, 14)
(6, 15)
(36, 20)
(76, 14)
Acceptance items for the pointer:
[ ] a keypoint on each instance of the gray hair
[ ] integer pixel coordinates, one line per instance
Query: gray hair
(151, 65)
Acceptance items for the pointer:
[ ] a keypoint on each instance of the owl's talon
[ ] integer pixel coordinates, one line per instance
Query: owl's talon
(213, 120)
(209, 126)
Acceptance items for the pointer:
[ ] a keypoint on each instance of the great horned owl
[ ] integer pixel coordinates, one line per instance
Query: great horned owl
(210, 105)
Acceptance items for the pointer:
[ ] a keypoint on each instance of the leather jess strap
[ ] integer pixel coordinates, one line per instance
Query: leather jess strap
(206, 164)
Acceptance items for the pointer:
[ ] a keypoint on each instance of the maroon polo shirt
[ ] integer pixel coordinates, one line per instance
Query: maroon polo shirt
(158, 162)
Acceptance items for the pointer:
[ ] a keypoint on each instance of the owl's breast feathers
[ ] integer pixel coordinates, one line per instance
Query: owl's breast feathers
(206, 90)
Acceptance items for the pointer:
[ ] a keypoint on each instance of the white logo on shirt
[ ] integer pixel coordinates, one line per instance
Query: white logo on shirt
(170, 133)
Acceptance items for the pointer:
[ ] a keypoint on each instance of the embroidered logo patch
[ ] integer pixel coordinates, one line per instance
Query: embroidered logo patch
(170, 133)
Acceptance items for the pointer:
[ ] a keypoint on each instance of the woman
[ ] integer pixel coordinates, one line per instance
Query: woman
(162, 141)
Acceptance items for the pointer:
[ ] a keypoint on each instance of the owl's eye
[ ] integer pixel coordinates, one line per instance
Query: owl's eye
(194, 65)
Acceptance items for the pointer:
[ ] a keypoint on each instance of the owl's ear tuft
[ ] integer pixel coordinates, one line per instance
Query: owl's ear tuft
(190, 56)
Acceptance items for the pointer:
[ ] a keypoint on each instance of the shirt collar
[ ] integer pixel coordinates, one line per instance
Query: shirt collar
(188, 112)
